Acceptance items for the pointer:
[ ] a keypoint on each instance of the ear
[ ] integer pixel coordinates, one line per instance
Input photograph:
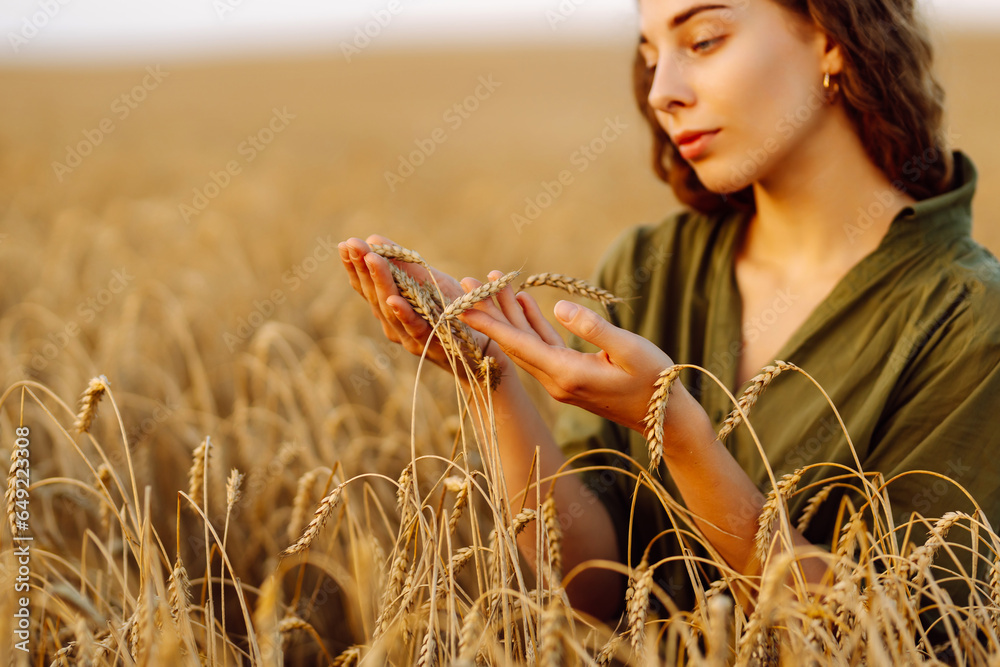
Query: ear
(833, 57)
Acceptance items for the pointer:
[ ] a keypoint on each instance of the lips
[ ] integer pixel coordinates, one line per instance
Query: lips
(688, 137)
(692, 145)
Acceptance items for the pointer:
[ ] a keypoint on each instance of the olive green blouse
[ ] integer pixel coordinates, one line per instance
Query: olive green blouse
(907, 345)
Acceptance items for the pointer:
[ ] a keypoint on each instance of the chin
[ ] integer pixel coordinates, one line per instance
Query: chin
(722, 177)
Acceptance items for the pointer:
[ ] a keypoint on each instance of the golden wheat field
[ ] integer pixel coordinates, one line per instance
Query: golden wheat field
(226, 463)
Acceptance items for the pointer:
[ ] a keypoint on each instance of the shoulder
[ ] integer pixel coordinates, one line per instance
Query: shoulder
(953, 319)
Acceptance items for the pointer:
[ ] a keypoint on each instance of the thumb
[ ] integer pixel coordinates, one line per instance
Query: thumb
(593, 328)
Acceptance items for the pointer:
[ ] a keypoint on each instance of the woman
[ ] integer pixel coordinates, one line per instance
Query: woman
(828, 225)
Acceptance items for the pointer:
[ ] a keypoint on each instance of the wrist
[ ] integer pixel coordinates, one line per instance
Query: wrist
(685, 423)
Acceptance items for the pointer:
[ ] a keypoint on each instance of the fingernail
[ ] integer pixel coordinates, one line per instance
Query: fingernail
(352, 252)
(565, 310)
(396, 310)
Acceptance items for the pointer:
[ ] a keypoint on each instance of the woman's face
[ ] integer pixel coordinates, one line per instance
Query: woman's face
(747, 69)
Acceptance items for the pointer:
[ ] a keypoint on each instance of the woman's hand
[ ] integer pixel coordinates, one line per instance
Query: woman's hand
(615, 383)
(371, 277)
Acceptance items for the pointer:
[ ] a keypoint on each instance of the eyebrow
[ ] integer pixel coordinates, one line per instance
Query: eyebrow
(685, 16)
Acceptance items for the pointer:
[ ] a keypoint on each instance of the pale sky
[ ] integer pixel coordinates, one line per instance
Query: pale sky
(117, 30)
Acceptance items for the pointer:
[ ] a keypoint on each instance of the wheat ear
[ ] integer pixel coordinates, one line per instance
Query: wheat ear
(322, 513)
(637, 604)
(481, 293)
(812, 507)
(348, 658)
(765, 529)
(572, 286)
(656, 412)
(553, 537)
(88, 403)
(233, 489)
(11, 495)
(399, 252)
(757, 385)
(303, 495)
(196, 475)
(551, 632)
(179, 591)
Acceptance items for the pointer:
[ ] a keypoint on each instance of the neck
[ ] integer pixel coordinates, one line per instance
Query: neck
(825, 207)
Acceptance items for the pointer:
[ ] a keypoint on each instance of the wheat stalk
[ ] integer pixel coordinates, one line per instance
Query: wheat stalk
(656, 412)
(88, 403)
(572, 286)
(749, 397)
(320, 516)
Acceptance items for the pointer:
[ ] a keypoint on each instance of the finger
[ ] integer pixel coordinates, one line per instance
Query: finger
(348, 264)
(509, 305)
(619, 344)
(448, 285)
(538, 323)
(486, 306)
(357, 250)
(528, 350)
(382, 283)
(413, 324)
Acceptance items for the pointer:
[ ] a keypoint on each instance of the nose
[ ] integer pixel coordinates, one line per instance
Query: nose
(670, 87)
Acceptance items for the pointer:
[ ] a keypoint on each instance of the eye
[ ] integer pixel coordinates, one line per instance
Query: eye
(648, 56)
(705, 43)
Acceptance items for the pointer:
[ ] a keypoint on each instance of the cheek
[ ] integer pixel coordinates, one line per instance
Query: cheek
(761, 99)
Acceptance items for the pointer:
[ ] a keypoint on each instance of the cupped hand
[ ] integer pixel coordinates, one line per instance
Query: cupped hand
(615, 383)
(371, 277)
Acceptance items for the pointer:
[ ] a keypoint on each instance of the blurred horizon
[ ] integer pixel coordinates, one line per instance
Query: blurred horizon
(100, 32)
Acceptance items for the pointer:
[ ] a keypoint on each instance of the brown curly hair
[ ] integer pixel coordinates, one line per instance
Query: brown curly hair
(891, 96)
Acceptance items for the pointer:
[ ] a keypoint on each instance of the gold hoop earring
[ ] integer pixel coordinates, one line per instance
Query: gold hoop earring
(830, 90)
